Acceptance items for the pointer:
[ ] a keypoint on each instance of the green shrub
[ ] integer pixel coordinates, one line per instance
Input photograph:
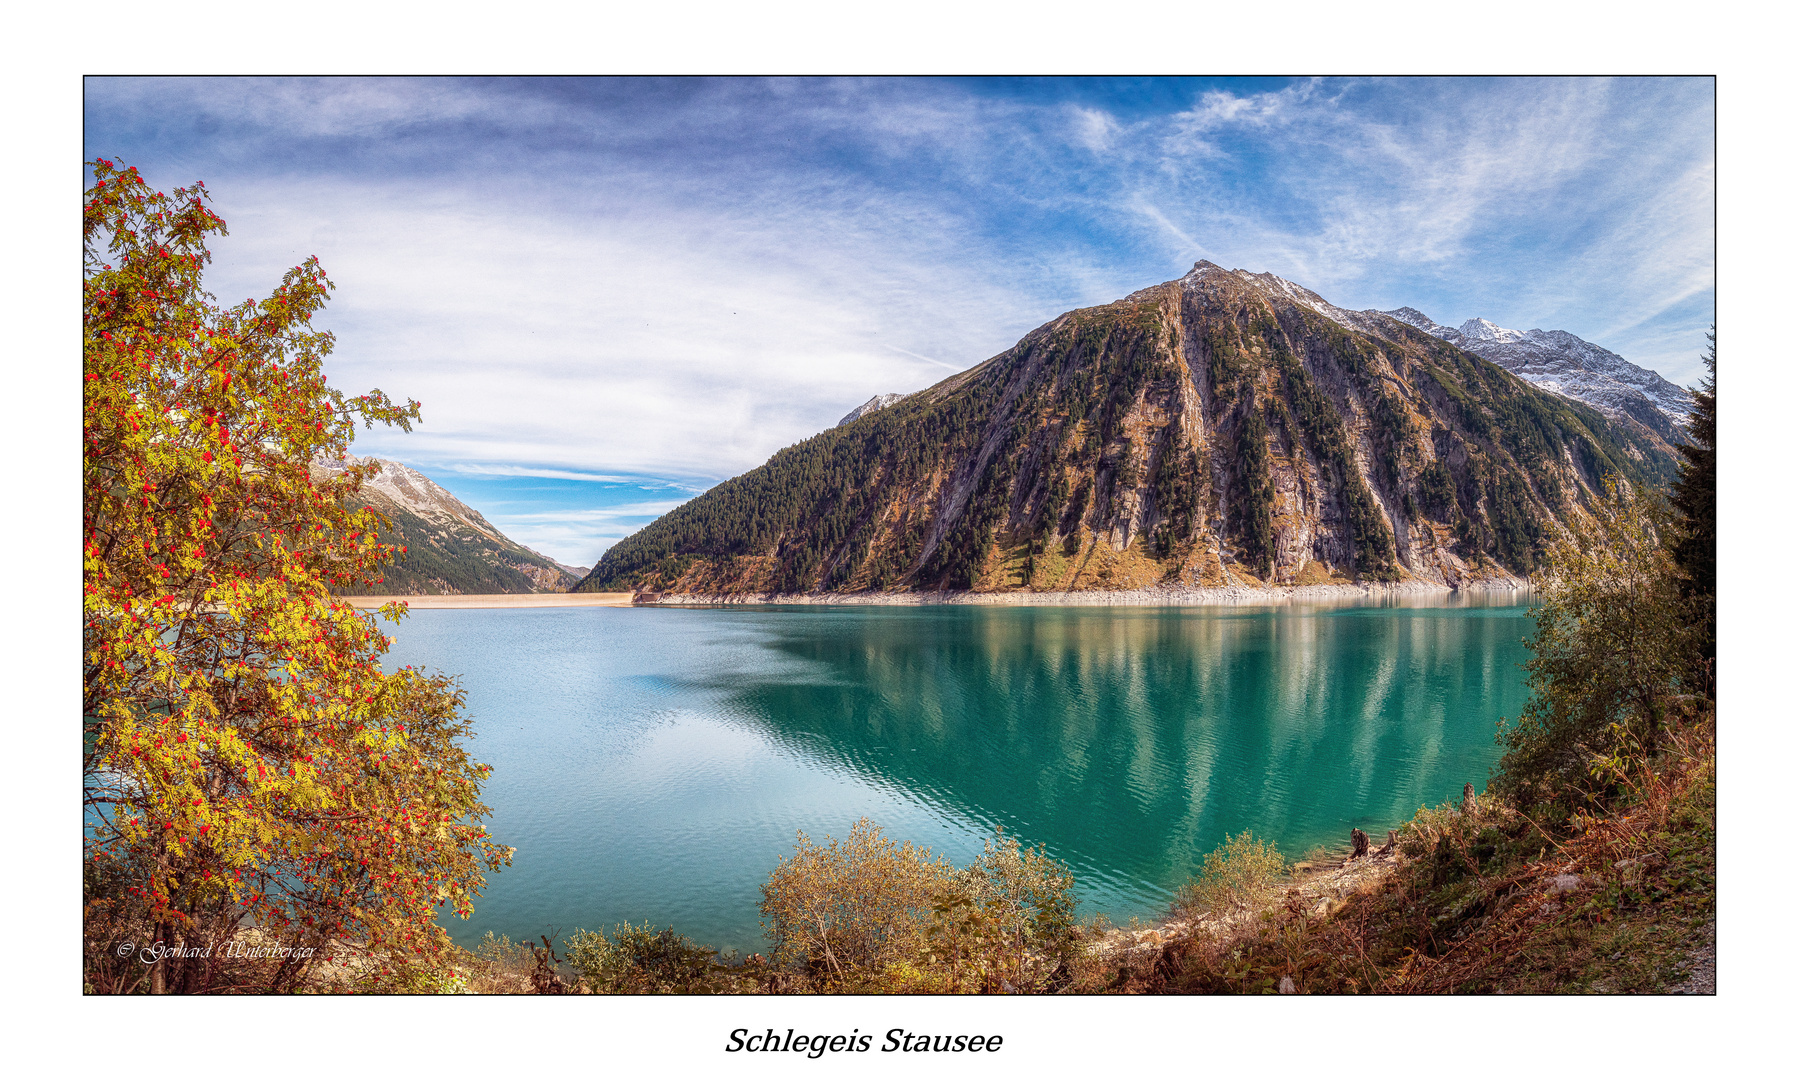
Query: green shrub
(1008, 924)
(868, 915)
(644, 960)
(843, 912)
(500, 965)
(1238, 877)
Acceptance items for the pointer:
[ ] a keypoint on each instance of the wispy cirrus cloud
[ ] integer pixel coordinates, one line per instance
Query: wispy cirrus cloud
(543, 474)
(591, 529)
(1200, 129)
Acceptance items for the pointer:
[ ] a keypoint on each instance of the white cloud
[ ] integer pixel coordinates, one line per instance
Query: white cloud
(678, 285)
(601, 515)
(1583, 205)
(650, 338)
(579, 536)
(927, 359)
(1217, 110)
(313, 108)
(1094, 129)
(468, 469)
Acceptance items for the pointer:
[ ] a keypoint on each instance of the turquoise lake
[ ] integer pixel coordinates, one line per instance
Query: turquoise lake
(655, 764)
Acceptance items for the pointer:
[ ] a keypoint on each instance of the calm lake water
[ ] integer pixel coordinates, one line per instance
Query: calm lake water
(655, 764)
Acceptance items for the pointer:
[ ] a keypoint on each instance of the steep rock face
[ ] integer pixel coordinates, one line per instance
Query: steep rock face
(1225, 428)
(450, 547)
(1562, 363)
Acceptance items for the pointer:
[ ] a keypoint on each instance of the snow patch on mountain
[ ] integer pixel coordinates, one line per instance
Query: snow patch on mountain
(874, 404)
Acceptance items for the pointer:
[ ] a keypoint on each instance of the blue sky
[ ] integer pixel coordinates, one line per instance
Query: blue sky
(611, 294)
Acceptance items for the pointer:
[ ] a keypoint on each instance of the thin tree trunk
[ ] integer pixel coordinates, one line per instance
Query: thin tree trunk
(158, 977)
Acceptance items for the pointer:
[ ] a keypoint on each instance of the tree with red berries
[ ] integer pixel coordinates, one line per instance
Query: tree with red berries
(255, 783)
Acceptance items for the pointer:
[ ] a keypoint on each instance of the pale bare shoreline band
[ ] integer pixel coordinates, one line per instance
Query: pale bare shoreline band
(499, 600)
(1160, 597)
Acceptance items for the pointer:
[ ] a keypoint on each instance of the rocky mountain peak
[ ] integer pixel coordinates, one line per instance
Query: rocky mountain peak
(1482, 330)
(452, 548)
(1265, 282)
(874, 404)
(1412, 317)
(1226, 429)
(1564, 364)
(1210, 276)
(421, 495)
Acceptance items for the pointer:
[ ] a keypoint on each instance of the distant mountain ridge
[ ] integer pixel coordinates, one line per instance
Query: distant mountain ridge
(451, 548)
(1225, 429)
(1564, 364)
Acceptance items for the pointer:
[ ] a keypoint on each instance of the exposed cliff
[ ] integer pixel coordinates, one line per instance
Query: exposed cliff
(1223, 429)
(450, 547)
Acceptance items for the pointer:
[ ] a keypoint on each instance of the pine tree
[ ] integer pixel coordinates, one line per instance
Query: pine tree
(1695, 500)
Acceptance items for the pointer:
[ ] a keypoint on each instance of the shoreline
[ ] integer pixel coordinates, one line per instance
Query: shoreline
(1320, 888)
(1162, 596)
(494, 600)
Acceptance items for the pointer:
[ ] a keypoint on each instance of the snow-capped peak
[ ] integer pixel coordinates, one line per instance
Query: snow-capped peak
(1482, 330)
(1562, 363)
(1419, 320)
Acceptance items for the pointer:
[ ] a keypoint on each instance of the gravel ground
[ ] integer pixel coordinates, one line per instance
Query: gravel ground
(1701, 974)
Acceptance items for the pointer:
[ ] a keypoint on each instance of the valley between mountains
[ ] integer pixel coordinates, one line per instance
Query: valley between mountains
(1224, 430)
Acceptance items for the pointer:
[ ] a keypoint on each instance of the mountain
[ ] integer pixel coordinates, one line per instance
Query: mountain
(874, 404)
(1224, 428)
(450, 548)
(1562, 363)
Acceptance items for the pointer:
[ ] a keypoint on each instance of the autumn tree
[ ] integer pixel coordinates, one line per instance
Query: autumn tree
(250, 770)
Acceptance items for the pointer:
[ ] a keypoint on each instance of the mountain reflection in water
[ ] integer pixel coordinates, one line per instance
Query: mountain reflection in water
(655, 764)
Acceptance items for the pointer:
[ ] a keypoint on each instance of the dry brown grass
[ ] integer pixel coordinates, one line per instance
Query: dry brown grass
(1483, 899)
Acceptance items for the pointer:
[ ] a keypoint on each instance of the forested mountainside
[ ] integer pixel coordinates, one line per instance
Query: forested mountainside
(450, 548)
(1224, 428)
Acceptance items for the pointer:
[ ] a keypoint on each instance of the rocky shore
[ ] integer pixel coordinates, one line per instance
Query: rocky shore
(1159, 596)
(1318, 888)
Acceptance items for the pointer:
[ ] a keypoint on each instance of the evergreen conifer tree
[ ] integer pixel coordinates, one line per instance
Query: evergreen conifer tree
(1695, 500)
